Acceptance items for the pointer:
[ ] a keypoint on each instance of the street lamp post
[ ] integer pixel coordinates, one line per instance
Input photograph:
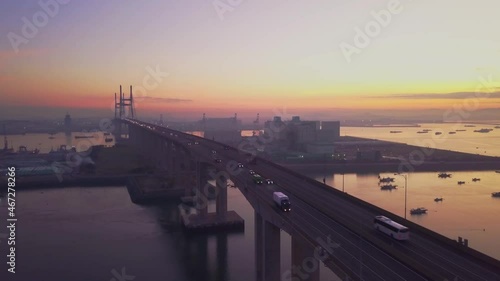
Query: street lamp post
(406, 188)
(342, 182)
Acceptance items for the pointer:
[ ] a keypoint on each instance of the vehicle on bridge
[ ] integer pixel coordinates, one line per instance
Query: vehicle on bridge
(282, 201)
(218, 160)
(391, 228)
(269, 181)
(257, 179)
(240, 165)
(251, 172)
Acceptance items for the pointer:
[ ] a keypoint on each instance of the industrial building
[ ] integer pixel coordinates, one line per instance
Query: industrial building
(225, 130)
(309, 137)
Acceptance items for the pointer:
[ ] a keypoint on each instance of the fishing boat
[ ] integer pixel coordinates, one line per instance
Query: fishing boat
(461, 182)
(438, 199)
(483, 130)
(388, 179)
(444, 175)
(388, 187)
(418, 211)
(476, 179)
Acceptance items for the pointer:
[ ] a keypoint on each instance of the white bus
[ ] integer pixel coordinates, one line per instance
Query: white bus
(391, 228)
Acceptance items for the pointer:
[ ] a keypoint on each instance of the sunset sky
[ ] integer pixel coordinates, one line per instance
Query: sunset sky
(255, 56)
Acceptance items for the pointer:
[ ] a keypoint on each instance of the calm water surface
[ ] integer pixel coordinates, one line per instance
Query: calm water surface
(83, 234)
(463, 141)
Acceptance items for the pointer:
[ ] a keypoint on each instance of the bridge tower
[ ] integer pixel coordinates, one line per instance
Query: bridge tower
(124, 108)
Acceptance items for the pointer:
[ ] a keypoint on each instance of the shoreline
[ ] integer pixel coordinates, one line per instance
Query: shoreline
(398, 167)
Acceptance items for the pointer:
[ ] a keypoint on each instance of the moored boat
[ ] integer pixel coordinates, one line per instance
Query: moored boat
(444, 175)
(388, 187)
(418, 211)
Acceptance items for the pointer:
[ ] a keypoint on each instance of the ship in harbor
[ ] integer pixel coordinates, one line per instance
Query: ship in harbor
(483, 131)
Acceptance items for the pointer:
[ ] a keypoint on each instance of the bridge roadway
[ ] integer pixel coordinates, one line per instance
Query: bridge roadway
(365, 253)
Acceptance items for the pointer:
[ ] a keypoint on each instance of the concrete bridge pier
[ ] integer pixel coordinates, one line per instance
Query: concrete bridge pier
(202, 200)
(305, 264)
(221, 199)
(267, 250)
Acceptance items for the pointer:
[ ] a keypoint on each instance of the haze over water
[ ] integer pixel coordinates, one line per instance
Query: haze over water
(463, 141)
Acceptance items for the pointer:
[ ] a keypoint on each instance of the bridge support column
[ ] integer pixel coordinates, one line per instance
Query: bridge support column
(201, 174)
(304, 260)
(267, 250)
(221, 199)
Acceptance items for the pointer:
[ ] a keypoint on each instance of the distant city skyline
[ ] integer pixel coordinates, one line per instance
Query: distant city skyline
(188, 58)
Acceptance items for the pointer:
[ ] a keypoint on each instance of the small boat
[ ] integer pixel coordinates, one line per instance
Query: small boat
(470, 126)
(497, 172)
(495, 194)
(84, 137)
(422, 132)
(444, 175)
(108, 139)
(418, 211)
(452, 133)
(461, 182)
(388, 187)
(460, 130)
(388, 179)
(483, 131)
(437, 133)
(476, 179)
(497, 127)
(438, 199)
(395, 132)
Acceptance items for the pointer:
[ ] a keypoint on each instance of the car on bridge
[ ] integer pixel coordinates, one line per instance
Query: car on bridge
(251, 172)
(196, 143)
(214, 152)
(217, 160)
(269, 181)
(257, 179)
(226, 147)
(240, 165)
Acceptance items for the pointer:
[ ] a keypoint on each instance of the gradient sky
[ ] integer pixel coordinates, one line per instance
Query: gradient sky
(261, 56)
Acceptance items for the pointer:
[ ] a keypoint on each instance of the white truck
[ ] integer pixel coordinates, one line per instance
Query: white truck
(282, 201)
